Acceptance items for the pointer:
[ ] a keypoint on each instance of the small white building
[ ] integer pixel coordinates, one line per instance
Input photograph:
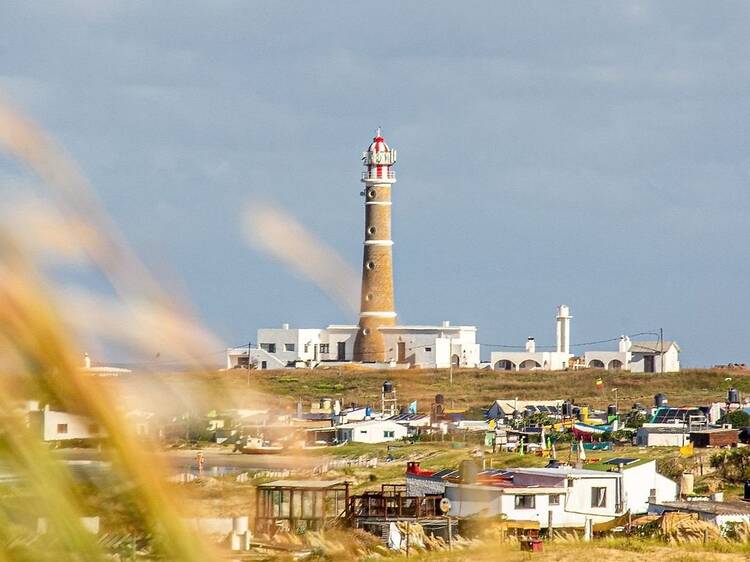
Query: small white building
(637, 357)
(62, 426)
(531, 359)
(406, 346)
(565, 496)
(372, 431)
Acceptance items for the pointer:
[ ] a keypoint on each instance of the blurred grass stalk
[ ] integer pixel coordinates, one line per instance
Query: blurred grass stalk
(37, 348)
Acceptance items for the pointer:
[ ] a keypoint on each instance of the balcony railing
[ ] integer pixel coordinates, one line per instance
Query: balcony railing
(384, 175)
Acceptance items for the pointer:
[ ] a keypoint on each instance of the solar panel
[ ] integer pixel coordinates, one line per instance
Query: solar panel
(621, 460)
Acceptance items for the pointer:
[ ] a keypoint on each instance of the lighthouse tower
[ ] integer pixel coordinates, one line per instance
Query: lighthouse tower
(377, 306)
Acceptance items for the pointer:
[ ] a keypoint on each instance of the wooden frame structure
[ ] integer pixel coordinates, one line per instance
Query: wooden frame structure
(392, 503)
(292, 505)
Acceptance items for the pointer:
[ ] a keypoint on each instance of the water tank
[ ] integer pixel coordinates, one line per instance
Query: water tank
(439, 399)
(733, 396)
(387, 387)
(660, 400)
(611, 410)
(469, 471)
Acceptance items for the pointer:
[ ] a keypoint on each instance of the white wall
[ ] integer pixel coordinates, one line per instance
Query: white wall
(607, 357)
(78, 427)
(371, 432)
(638, 482)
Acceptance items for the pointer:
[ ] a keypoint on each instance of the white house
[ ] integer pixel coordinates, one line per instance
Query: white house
(373, 431)
(637, 357)
(531, 359)
(406, 346)
(62, 426)
(564, 496)
(503, 408)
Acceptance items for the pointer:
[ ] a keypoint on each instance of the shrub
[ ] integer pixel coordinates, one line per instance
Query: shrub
(738, 419)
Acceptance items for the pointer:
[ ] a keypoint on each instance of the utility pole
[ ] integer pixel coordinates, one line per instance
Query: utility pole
(249, 344)
(617, 410)
(661, 351)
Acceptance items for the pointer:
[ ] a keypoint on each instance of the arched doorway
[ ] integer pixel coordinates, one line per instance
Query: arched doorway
(528, 365)
(505, 365)
(615, 365)
(455, 360)
(596, 364)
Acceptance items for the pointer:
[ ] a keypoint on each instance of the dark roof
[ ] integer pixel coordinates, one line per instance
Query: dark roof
(716, 508)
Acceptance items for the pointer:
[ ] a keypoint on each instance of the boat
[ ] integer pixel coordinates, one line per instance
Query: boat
(587, 432)
(259, 446)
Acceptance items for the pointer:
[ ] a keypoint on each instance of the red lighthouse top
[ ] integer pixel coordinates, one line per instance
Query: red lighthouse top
(378, 159)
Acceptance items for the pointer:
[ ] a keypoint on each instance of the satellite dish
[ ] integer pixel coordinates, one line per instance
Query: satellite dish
(445, 505)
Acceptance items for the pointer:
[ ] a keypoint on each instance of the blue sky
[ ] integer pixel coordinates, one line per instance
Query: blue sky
(594, 155)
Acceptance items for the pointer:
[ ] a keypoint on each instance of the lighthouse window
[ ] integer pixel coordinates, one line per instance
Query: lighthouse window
(370, 265)
(365, 331)
(368, 297)
(371, 194)
(371, 230)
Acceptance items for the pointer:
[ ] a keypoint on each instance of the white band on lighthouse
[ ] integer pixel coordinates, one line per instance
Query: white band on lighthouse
(378, 203)
(378, 314)
(378, 242)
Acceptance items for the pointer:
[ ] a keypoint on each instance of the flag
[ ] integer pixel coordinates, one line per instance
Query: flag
(599, 383)
(413, 407)
(543, 440)
(581, 451)
(686, 450)
(554, 452)
(520, 451)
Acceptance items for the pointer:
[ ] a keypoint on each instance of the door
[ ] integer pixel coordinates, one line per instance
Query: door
(648, 363)
(401, 352)
(341, 351)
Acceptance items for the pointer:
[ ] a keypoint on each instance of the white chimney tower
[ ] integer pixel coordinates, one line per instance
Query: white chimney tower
(530, 345)
(563, 329)
(86, 361)
(624, 345)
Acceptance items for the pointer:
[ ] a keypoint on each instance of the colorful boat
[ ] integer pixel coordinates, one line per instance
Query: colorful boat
(589, 432)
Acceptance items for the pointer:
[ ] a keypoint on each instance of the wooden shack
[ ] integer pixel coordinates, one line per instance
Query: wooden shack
(720, 437)
(299, 505)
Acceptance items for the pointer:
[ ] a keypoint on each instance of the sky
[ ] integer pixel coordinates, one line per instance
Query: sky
(594, 155)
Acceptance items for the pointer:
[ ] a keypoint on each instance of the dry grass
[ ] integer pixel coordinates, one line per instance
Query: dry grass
(470, 388)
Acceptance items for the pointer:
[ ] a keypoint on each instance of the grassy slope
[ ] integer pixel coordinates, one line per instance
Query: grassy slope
(475, 388)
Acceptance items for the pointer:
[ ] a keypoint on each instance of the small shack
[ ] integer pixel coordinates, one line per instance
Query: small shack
(723, 437)
(299, 505)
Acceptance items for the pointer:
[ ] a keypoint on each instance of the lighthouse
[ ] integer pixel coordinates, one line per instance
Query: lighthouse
(377, 308)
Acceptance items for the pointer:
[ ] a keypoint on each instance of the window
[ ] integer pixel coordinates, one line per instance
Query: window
(264, 364)
(554, 499)
(62, 428)
(269, 347)
(288, 347)
(307, 348)
(243, 361)
(428, 349)
(599, 497)
(324, 348)
(525, 502)
(389, 434)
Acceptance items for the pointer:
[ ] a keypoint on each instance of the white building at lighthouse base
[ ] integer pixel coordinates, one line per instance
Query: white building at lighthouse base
(418, 346)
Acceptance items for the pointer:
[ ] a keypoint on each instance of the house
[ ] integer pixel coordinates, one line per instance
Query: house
(637, 357)
(659, 435)
(423, 346)
(715, 437)
(531, 359)
(561, 496)
(373, 431)
(63, 426)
